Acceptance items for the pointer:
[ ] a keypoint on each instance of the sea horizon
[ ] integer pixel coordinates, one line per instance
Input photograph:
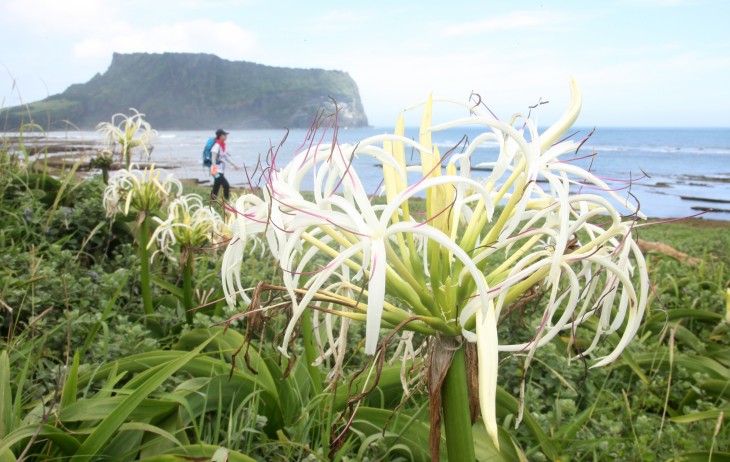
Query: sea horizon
(673, 172)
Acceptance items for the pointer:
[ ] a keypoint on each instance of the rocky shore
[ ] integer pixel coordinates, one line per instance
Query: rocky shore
(63, 154)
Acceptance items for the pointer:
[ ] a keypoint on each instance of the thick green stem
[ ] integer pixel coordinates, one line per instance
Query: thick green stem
(456, 415)
(127, 157)
(188, 299)
(144, 270)
(310, 351)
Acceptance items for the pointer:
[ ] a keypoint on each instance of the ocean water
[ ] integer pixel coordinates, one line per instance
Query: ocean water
(667, 166)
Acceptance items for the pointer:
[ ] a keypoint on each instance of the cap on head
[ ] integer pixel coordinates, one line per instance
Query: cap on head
(220, 132)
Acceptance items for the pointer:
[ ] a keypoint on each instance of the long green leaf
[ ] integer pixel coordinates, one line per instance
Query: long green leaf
(660, 319)
(197, 452)
(108, 427)
(486, 451)
(371, 421)
(203, 367)
(7, 456)
(6, 405)
(124, 446)
(567, 432)
(6, 395)
(197, 366)
(112, 378)
(704, 456)
(156, 444)
(717, 388)
(389, 388)
(628, 358)
(703, 415)
(227, 342)
(719, 354)
(70, 387)
(67, 443)
(172, 288)
(694, 363)
(221, 393)
(61, 190)
(97, 408)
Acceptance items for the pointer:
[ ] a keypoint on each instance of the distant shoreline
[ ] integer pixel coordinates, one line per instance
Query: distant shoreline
(677, 185)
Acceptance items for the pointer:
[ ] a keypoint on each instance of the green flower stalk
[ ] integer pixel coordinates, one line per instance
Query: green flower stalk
(190, 225)
(144, 193)
(129, 132)
(483, 248)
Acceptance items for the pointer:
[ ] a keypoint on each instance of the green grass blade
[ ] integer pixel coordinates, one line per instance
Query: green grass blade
(389, 388)
(197, 452)
(628, 358)
(228, 341)
(704, 456)
(67, 443)
(59, 195)
(6, 395)
(123, 447)
(717, 388)
(95, 442)
(70, 388)
(7, 456)
(94, 408)
(567, 432)
(372, 421)
(693, 363)
(169, 287)
(703, 415)
(660, 319)
(486, 451)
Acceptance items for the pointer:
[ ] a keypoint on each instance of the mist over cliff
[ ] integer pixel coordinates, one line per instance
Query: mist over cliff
(197, 91)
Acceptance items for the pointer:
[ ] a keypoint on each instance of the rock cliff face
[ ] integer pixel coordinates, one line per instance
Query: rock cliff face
(198, 91)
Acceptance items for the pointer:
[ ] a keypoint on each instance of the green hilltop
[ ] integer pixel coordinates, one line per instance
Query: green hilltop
(190, 91)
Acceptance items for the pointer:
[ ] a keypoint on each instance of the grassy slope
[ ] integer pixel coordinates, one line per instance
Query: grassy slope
(696, 237)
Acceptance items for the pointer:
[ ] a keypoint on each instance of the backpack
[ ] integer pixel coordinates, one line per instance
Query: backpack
(207, 155)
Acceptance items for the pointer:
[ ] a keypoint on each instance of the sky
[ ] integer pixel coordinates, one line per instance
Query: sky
(644, 63)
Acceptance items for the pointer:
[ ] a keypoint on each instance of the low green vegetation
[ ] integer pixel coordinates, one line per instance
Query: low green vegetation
(88, 373)
(195, 91)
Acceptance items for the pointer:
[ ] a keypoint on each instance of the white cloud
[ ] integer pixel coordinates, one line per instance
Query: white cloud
(213, 5)
(659, 3)
(54, 16)
(224, 39)
(519, 20)
(101, 27)
(507, 82)
(334, 21)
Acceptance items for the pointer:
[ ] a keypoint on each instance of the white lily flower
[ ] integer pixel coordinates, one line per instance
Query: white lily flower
(479, 250)
(141, 190)
(129, 133)
(190, 224)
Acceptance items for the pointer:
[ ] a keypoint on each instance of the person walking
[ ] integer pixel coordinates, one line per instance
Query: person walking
(220, 159)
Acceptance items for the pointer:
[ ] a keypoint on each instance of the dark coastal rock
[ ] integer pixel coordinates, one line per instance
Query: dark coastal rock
(705, 199)
(705, 178)
(189, 91)
(711, 209)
